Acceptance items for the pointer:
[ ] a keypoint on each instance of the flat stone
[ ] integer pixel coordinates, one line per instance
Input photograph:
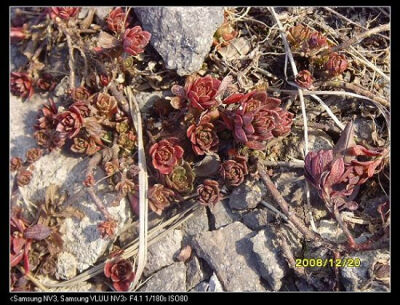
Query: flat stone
(200, 287)
(196, 224)
(228, 251)
(196, 272)
(223, 215)
(354, 278)
(181, 35)
(23, 116)
(246, 196)
(162, 253)
(257, 218)
(330, 229)
(214, 285)
(66, 266)
(81, 237)
(103, 11)
(168, 279)
(271, 265)
(146, 100)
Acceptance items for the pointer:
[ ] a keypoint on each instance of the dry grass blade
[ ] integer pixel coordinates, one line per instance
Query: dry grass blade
(143, 186)
(303, 106)
(155, 234)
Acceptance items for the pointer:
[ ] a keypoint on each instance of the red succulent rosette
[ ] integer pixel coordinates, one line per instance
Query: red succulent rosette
(107, 228)
(202, 91)
(234, 171)
(48, 117)
(69, 122)
(165, 155)
(317, 40)
(304, 79)
(24, 177)
(283, 123)
(21, 85)
(80, 94)
(256, 119)
(203, 137)
(336, 64)
(121, 273)
(15, 164)
(117, 20)
(298, 35)
(46, 82)
(18, 34)
(208, 192)
(160, 197)
(135, 40)
(33, 154)
(65, 12)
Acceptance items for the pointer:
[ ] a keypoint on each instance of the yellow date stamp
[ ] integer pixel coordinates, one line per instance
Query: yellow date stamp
(328, 262)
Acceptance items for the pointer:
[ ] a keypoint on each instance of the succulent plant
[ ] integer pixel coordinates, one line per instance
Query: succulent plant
(336, 64)
(117, 20)
(160, 197)
(165, 155)
(15, 164)
(234, 171)
(181, 178)
(121, 273)
(208, 192)
(135, 40)
(80, 94)
(69, 122)
(24, 177)
(203, 137)
(202, 91)
(64, 13)
(304, 79)
(21, 85)
(105, 104)
(33, 154)
(107, 228)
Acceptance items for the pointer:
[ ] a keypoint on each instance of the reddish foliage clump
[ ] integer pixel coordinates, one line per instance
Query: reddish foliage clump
(304, 79)
(336, 64)
(234, 171)
(201, 92)
(135, 40)
(165, 155)
(208, 192)
(69, 122)
(21, 85)
(160, 197)
(117, 20)
(203, 137)
(63, 12)
(121, 273)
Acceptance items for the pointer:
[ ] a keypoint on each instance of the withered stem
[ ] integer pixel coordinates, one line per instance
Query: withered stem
(99, 203)
(309, 235)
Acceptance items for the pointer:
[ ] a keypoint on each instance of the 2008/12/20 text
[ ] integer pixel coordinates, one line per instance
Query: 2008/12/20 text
(328, 262)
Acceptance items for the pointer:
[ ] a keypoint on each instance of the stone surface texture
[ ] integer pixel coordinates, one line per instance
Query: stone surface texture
(181, 35)
(228, 251)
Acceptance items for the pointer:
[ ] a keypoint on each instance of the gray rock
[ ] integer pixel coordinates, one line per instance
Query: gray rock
(222, 215)
(62, 87)
(329, 229)
(23, 116)
(81, 237)
(196, 224)
(146, 100)
(66, 266)
(355, 278)
(271, 265)
(246, 196)
(257, 218)
(103, 11)
(214, 285)
(162, 253)
(200, 287)
(83, 12)
(181, 35)
(196, 272)
(169, 279)
(17, 58)
(228, 252)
